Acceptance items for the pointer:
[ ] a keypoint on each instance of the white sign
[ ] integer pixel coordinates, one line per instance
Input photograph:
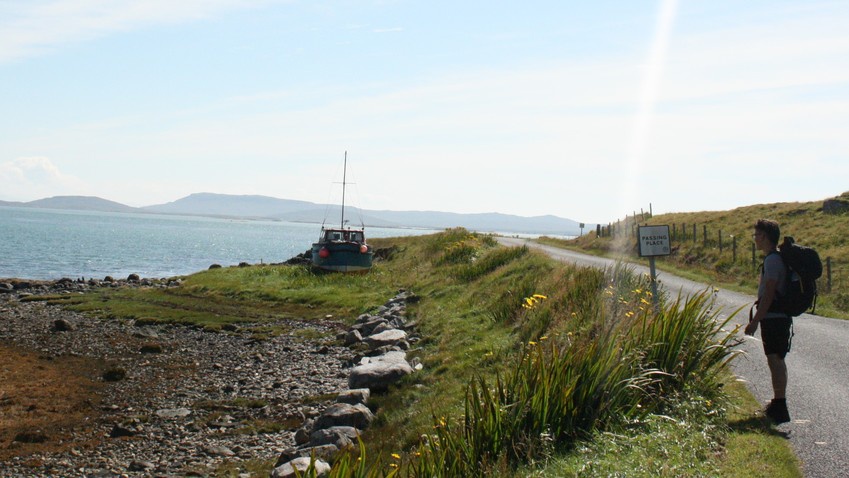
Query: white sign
(654, 241)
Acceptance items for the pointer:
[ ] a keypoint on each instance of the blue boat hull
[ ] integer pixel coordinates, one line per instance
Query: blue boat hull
(341, 257)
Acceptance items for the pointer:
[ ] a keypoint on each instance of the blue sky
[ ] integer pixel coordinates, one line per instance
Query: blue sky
(585, 110)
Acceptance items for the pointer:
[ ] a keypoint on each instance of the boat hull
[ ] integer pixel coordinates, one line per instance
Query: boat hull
(341, 257)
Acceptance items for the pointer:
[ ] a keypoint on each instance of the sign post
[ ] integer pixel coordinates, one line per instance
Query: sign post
(654, 241)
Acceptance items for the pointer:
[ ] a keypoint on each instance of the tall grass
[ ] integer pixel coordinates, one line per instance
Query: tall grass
(564, 388)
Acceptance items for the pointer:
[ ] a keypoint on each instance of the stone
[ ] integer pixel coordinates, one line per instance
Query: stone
(324, 452)
(141, 466)
(389, 337)
(379, 374)
(340, 437)
(62, 325)
(353, 397)
(344, 414)
(151, 349)
(367, 328)
(218, 450)
(119, 432)
(173, 413)
(353, 337)
(383, 327)
(133, 278)
(835, 206)
(302, 436)
(302, 464)
(114, 375)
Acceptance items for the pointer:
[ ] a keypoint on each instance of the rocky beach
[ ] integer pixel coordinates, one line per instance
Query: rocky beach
(90, 397)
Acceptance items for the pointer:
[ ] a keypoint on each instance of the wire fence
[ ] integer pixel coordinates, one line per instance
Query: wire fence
(736, 247)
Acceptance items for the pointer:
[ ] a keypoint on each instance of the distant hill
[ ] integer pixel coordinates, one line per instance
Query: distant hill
(303, 211)
(224, 205)
(82, 203)
(210, 204)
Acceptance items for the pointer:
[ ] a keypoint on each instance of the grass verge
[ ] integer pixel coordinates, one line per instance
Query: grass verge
(531, 367)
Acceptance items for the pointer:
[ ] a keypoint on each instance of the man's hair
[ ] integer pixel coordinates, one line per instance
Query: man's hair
(770, 228)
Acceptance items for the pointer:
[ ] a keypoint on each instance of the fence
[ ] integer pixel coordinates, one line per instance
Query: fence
(835, 273)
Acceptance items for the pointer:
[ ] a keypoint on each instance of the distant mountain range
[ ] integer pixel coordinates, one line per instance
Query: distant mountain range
(265, 207)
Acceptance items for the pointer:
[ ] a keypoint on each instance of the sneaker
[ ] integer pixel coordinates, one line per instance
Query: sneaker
(777, 411)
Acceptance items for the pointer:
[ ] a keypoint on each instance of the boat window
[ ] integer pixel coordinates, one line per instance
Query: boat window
(357, 237)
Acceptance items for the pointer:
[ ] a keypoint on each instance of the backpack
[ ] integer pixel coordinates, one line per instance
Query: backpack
(800, 293)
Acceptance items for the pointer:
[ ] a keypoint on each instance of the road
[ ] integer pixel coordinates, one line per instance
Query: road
(818, 370)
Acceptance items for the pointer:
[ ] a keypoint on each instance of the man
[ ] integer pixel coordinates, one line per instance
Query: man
(775, 325)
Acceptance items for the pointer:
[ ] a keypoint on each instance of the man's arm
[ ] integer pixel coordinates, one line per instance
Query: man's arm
(763, 305)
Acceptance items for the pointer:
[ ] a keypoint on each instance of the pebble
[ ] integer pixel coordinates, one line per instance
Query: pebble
(177, 412)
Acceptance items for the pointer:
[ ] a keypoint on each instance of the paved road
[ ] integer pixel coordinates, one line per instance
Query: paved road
(818, 369)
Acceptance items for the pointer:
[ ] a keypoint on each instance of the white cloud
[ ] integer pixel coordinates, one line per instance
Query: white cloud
(31, 28)
(27, 179)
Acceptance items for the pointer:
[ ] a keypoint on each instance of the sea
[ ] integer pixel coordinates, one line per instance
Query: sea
(49, 244)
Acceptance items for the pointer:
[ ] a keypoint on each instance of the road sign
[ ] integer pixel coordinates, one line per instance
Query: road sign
(654, 241)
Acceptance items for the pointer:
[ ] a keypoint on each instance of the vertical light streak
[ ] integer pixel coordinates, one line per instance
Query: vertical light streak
(638, 142)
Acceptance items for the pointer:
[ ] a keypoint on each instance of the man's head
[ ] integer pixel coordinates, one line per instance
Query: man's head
(769, 229)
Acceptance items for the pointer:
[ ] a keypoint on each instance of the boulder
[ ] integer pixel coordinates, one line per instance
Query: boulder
(324, 452)
(379, 374)
(62, 325)
(173, 413)
(353, 337)
(340, 437)
(835, 206)
(345, 415)
(302, 436)
(353, 397)
(381, 328)
(302, 464)
(366, 328)
(388, 337)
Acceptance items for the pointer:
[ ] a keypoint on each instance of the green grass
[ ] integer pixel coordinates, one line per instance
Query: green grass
(806, 222)
(506, 333)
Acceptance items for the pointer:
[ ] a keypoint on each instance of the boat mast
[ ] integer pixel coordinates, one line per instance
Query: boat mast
(344, 177)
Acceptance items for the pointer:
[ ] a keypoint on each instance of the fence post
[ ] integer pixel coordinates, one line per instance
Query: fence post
(704, 231)
(674, 231)
(695, 236)
(719, 238)
(828, 273)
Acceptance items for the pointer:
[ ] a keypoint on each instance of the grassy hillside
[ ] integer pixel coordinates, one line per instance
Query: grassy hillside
(531, 367)
(700, 259)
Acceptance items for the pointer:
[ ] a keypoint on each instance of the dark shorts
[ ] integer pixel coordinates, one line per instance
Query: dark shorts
(775, 332)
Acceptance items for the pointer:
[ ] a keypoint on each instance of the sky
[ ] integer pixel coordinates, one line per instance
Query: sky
(584, 110)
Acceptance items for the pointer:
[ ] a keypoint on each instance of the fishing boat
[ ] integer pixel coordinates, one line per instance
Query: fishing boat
(342, 249)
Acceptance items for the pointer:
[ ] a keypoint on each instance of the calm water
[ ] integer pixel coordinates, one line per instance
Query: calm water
(50, 244)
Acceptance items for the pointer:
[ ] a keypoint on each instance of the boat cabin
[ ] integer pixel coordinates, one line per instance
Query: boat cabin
(343, 235)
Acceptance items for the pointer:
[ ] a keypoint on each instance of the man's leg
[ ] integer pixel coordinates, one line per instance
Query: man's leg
(777, 409)
(778, 371)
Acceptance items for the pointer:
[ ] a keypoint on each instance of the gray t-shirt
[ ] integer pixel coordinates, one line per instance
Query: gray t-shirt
(773, 269)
